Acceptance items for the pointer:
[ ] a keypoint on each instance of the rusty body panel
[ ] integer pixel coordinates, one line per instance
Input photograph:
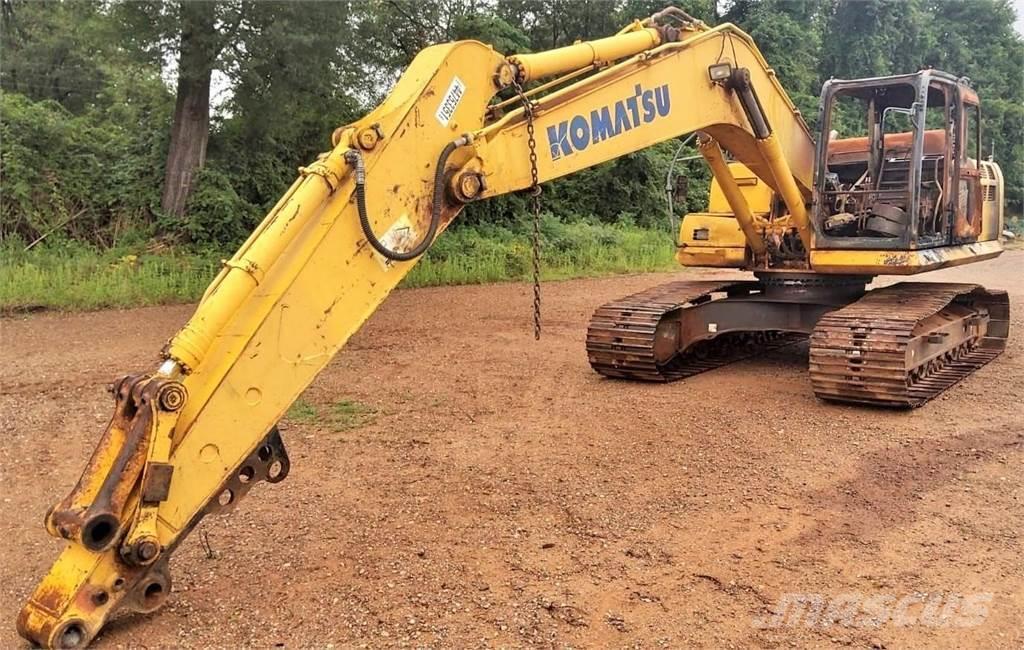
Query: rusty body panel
(858, 148)
(896, 189)
(967, 224)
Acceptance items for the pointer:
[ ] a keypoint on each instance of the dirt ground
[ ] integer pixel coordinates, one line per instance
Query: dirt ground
(494, 491)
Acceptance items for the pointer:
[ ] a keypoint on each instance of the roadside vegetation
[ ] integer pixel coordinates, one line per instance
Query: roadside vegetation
(75, 276)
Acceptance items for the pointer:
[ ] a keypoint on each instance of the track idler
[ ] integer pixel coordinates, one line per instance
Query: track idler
(118, 547)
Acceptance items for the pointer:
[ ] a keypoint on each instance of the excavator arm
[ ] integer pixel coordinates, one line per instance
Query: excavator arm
(195, 435)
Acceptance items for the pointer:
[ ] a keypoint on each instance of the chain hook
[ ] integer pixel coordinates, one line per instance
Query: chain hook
(535, 192)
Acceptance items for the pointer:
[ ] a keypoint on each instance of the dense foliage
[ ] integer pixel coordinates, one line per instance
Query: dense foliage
(86, 101)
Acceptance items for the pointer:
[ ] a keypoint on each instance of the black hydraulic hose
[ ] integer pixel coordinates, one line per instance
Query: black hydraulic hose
(739, 81)
(354, 158)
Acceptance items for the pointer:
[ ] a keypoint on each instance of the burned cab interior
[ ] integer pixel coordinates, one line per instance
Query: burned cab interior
(890, 161)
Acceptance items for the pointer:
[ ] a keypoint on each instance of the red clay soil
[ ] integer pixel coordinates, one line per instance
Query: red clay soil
(502, 494)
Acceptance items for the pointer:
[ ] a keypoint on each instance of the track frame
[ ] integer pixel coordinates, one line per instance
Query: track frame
(896, 346)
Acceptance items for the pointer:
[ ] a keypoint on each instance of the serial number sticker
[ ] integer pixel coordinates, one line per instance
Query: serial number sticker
(450, 101)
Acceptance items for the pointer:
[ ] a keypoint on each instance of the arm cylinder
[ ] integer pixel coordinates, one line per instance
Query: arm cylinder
(579, 55)
(770, 149)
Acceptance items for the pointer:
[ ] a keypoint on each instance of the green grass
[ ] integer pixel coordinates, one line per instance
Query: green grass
(569, 250)
(340, 416)
(72, 276)
(81, 278)
(302, 411)
(347, 414)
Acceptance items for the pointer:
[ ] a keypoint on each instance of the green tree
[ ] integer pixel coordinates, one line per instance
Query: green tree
(789, 34)
(42, 60)
(90, 129)
(291, 88)
(77, 153)
(193, 34)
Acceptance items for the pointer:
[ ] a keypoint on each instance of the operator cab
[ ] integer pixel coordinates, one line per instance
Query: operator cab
(898, 163)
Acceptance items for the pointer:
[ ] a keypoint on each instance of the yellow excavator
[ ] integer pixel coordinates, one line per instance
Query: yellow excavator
(903, 191)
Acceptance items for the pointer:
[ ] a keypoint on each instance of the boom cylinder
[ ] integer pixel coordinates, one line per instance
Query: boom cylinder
(740, 208)
(770, 149)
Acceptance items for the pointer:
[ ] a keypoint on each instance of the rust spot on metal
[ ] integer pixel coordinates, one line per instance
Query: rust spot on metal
(50, 599)
(93, 513)
(85, 599)
(156, 482)
(87, 513)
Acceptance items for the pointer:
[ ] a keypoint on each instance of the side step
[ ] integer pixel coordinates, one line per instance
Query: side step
(864, 353)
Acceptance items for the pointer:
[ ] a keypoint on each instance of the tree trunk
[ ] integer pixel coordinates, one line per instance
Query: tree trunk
(191, 128)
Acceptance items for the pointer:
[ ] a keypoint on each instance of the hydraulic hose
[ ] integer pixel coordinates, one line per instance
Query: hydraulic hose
(354, 158)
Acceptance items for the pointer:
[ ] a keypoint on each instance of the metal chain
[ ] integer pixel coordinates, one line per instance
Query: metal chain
(535, 191)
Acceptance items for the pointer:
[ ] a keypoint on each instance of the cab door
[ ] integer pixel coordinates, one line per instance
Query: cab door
(967, 217)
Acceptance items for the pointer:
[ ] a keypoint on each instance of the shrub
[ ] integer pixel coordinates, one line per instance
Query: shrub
(87, 176)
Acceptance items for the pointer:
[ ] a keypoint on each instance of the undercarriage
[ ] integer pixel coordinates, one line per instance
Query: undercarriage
(898, 346)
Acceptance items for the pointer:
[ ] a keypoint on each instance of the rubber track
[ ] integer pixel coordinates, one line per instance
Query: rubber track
(858, 353)
(620, 337)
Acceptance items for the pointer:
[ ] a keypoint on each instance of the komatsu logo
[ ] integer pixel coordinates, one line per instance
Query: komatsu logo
(642, 107)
